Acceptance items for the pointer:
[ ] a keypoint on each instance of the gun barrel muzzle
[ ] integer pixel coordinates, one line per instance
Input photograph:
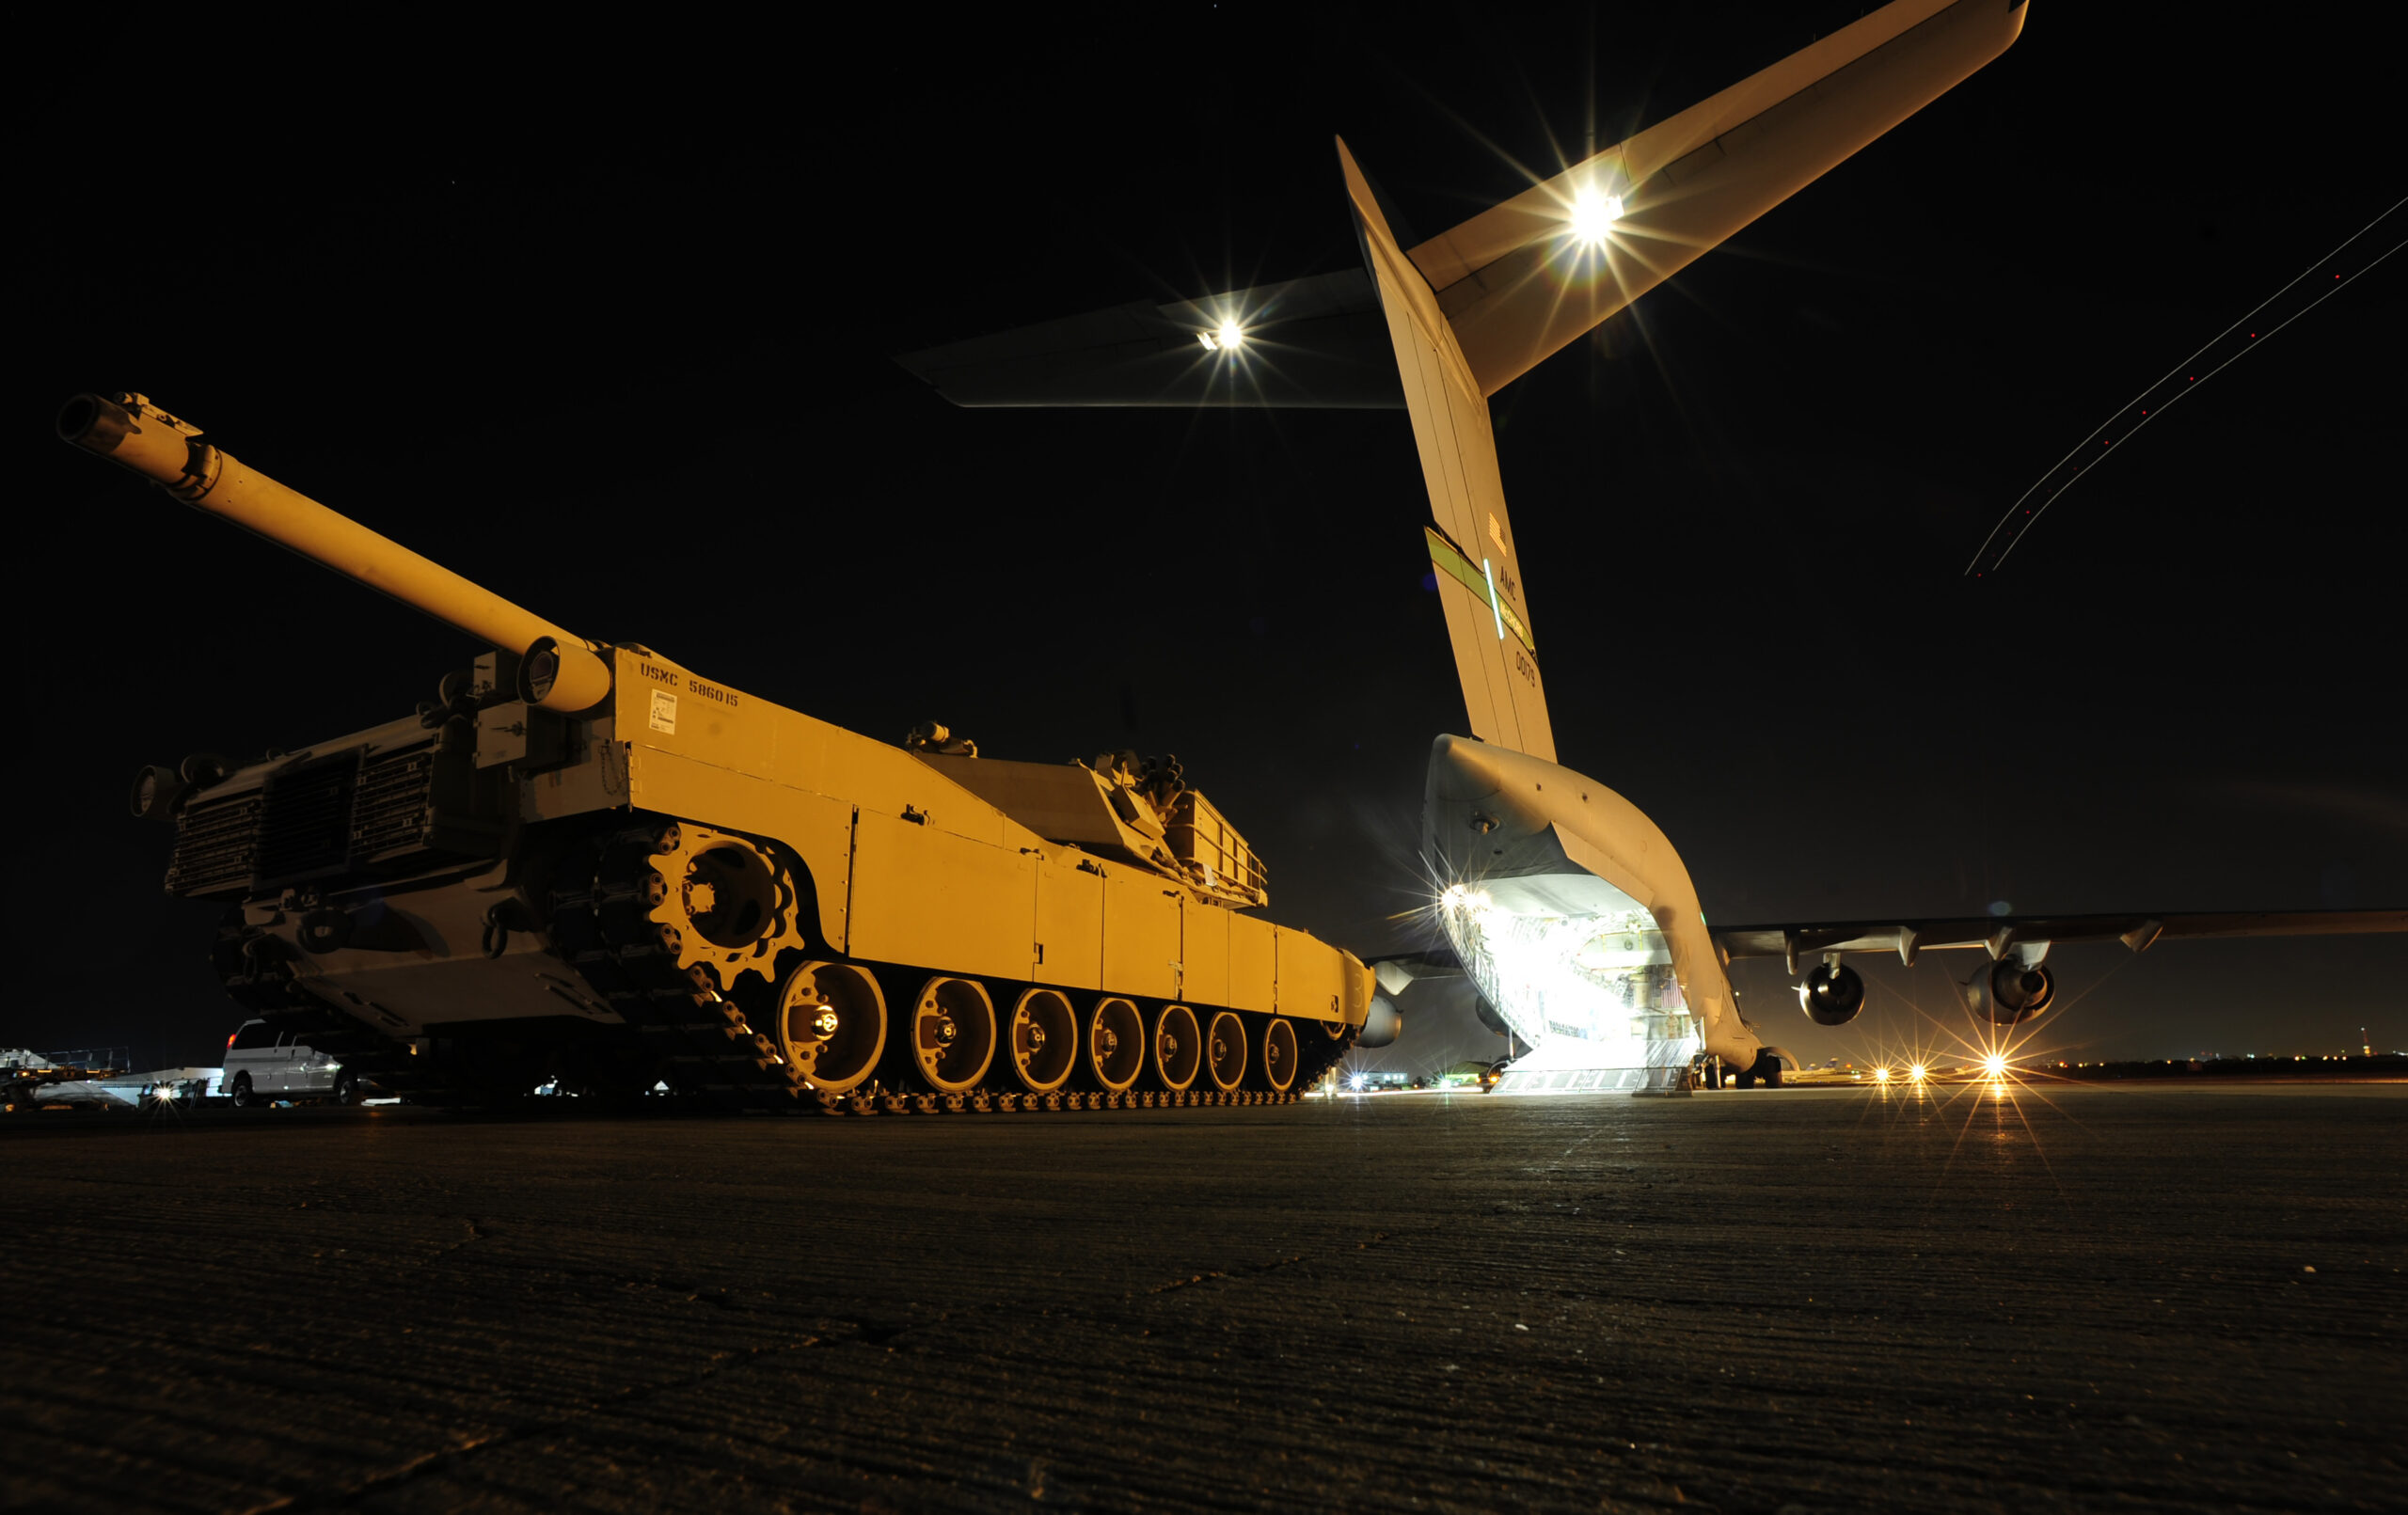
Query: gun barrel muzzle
(131, 431)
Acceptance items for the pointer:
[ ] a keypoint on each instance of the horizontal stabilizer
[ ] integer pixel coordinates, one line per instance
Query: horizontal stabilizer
(1310, 344)
(1522, 280)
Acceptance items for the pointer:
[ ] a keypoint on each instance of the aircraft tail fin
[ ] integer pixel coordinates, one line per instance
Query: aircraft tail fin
(1483, 303)
(1471, 544)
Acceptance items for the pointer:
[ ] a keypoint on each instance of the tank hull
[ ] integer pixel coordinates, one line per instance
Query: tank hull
(568, 949)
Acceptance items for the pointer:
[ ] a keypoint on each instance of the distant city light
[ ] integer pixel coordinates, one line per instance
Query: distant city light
(1593, 215)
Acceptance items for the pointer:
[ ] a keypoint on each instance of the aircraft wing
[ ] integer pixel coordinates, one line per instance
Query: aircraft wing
(1400, 969)
(2002, 935)
(1308, 343)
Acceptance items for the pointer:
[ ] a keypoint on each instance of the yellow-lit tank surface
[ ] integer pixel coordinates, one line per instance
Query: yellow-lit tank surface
(586, 867)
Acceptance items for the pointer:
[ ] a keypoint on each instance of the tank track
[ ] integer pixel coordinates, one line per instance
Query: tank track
(704, 1036)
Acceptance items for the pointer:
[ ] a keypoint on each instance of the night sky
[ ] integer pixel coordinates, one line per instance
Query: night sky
(606, 322)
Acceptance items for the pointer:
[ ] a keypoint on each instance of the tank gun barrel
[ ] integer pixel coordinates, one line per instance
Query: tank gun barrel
(559, 670)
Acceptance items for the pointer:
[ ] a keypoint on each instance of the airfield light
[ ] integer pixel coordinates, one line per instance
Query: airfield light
(1995, 1065)
(1919, 1073)
(1593, 215)
(1357, 1082)
(1881, 1075)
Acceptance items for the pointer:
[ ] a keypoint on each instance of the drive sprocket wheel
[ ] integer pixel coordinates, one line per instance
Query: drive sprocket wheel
(721, 903)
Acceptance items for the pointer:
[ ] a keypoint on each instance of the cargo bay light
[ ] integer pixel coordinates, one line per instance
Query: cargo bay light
(586, 863)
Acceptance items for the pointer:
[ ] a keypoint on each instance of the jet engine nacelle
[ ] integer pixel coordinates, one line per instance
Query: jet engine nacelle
(1381, 1025)
(2007, 991)
(1832, 994)
(1488, 1016)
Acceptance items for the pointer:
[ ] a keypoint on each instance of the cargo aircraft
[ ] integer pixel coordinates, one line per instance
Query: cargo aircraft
(1569, 910)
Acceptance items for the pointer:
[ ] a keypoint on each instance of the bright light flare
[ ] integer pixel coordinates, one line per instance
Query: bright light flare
(1919, 1073)
(1226, 338)
(1594, 216)
(1995, 1065)
(1881, 1075)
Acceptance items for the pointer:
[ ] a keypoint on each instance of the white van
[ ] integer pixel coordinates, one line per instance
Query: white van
(264, 1064)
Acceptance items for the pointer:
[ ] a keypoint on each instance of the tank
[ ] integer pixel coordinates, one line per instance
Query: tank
(587, 867)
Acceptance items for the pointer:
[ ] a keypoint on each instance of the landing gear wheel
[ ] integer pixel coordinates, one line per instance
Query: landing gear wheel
(243, 1097)
(347, 1088)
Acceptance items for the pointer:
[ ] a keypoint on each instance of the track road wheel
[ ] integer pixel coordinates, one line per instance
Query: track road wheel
(953, 1033)
(831, 1025)
(1115, 1044)
(1225, 1051)
(1178, 1048)
(1278, 1061)
(244, 1098)
(1044, 1040)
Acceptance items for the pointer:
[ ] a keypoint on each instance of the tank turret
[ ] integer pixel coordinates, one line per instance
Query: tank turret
(584, 866)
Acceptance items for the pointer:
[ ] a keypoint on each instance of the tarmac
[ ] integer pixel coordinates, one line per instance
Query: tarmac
(2067, 1299)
